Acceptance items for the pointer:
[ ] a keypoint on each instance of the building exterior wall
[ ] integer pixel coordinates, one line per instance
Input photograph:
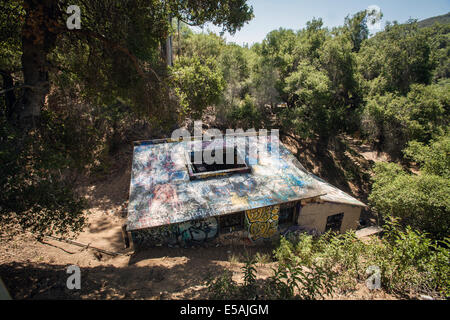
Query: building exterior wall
(314, 215)
(186, 233)
(259, 224)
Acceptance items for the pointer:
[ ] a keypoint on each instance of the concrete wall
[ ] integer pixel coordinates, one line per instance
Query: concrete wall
(190, 232)
(260, 224)
(314, 215)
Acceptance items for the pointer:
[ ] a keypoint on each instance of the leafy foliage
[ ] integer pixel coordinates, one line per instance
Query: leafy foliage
(410, 262)
(421, 201)
(433, 158)
(35, 195)
(99, 82)
(401, 56)
(72, 96)
(197, 83)
(308, 267)
(290, 280)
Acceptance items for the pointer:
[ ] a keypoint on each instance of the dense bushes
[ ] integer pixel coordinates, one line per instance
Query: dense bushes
(391, 87)
(433, 158)
(401, 56)
(102, 79)
(289, 280)
(35, 194)
(394, 119)
(418, 200)
(409, 264)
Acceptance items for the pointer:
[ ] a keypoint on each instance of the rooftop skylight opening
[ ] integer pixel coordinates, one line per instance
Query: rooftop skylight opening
(206, 170)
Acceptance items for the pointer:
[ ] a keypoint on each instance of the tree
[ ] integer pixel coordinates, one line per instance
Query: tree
(420, 201)
(433, 158)
(198, 83)
(44, 23)
(356, 26)
(400, 56)
(112, 64)
(393, 119)
(317, 79)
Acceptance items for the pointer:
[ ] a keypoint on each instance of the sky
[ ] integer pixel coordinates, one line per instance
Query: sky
(293, 14)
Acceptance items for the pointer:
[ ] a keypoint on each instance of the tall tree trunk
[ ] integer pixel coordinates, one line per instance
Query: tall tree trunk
(10, 97)
(322, 144)
(37, 42)
(167, 48)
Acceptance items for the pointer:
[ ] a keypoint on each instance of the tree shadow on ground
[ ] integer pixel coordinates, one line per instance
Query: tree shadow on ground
(205, 252)
(48, 281)
(154, 273)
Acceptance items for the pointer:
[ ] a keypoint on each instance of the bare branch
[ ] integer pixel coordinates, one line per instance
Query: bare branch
(17, 87)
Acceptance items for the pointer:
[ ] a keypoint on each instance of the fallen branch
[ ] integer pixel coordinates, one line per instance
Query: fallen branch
(86, 246)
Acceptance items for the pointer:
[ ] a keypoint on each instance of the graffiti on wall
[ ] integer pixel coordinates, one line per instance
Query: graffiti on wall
(232, 222)
(187, 233)
(155, 236)
(262, 222)
(198, 231)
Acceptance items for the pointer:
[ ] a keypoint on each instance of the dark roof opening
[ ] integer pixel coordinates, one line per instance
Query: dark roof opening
(203, 169)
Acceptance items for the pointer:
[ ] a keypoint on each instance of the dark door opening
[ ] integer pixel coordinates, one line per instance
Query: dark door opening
(334, 222)
(231, 222)
(286, 215)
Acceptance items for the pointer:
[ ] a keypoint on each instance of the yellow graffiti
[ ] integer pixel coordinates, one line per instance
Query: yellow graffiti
(263, 222)
(263, 214)
(260, 230)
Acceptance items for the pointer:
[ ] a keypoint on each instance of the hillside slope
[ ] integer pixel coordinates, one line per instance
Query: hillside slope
(443, 19)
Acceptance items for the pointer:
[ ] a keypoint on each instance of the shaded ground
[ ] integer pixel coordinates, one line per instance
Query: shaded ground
(37, 270)
(159, 273)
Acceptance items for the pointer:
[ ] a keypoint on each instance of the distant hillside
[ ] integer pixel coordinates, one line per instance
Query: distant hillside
(444, 19)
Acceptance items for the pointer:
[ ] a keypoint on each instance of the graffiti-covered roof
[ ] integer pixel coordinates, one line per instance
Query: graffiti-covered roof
(162, 193)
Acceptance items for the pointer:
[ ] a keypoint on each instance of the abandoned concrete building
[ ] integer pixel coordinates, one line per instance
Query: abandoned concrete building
(176, 202)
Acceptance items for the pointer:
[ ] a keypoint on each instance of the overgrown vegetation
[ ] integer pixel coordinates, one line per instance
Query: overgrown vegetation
(71, 98)
(290, 280)
(409, 264)
(391, 90)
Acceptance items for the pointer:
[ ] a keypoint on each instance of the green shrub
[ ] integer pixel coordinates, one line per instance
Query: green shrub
(410, 262)
(285, 251)
(420, 201)
(294, 281)
(433, 158)
(245, 113)
(198, 84)
(304, 249)
(222, 287)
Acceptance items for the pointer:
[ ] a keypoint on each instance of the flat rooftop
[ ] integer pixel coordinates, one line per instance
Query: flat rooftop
(162, 190)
